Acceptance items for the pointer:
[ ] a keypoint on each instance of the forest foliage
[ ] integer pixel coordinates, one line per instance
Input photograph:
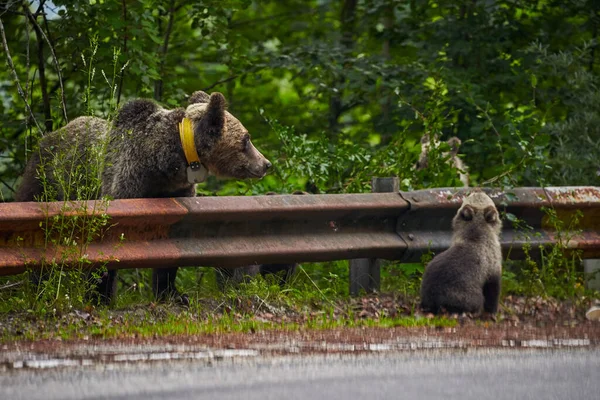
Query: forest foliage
(333, 91)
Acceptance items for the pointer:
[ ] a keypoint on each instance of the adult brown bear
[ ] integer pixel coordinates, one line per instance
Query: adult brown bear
(145, 157)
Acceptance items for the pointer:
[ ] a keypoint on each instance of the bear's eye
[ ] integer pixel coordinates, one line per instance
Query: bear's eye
(246, 143)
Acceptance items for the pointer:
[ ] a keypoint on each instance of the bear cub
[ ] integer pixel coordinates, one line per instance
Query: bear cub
(466, 277)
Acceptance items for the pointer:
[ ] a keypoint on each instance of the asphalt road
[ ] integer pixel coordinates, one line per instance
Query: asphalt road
(476, 374)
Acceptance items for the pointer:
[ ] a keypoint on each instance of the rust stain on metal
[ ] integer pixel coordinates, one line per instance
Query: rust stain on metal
(271, 207)
(573, 218)
(233, 231)
(575, 195)
(427, 226)
(587, 243)
(226, 231)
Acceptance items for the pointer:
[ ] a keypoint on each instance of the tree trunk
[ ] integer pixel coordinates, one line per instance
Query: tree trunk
(125, 33)
(158, 84)
(388, 24)
(42, 74)
(347, 19)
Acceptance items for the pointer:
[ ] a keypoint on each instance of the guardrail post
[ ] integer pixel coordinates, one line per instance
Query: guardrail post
(365, 272)
(589, 267)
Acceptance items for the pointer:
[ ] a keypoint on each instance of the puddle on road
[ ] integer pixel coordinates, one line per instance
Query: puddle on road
(89, 356)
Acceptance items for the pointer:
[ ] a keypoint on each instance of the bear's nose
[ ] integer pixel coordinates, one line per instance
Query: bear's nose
(268, 165)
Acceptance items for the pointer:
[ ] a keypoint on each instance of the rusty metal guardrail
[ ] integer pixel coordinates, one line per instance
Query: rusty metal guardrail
(223, 231)
(427, 224)
(235, 231)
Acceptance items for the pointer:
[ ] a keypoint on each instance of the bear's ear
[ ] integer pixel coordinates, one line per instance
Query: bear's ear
(466, 213)
(199, 97)
(490, 214)
(213, 120)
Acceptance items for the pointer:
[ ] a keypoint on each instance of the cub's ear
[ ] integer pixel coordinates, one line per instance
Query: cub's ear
(490, 214)
(199, 97)
(213, 120)
(466, 213)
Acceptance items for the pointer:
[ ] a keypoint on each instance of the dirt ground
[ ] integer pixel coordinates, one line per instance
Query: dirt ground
(521, 323)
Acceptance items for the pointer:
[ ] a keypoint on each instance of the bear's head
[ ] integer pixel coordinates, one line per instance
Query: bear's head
(222, 142)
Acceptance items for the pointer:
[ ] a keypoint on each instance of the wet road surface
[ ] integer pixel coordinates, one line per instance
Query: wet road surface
(428, 374)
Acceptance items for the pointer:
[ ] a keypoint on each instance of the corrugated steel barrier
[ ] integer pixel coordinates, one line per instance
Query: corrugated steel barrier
(235, 231)
(427, 225)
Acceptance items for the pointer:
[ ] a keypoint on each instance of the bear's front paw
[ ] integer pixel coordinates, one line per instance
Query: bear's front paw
(182, 299)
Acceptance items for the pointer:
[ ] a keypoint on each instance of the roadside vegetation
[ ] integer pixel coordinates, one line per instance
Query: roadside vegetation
(334, 92)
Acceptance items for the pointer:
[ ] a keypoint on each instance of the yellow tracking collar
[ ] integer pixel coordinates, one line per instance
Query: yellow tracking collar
(196, 171)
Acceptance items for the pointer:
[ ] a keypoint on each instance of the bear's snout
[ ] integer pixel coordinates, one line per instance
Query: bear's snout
(259, 165)
(262, 168)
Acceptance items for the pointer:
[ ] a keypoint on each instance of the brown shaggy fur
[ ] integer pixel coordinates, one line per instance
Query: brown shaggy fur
(145, 157)
(466, 277)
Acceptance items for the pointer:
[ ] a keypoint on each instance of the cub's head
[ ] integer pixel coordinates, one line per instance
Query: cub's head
(222, 142)
(477, 217)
